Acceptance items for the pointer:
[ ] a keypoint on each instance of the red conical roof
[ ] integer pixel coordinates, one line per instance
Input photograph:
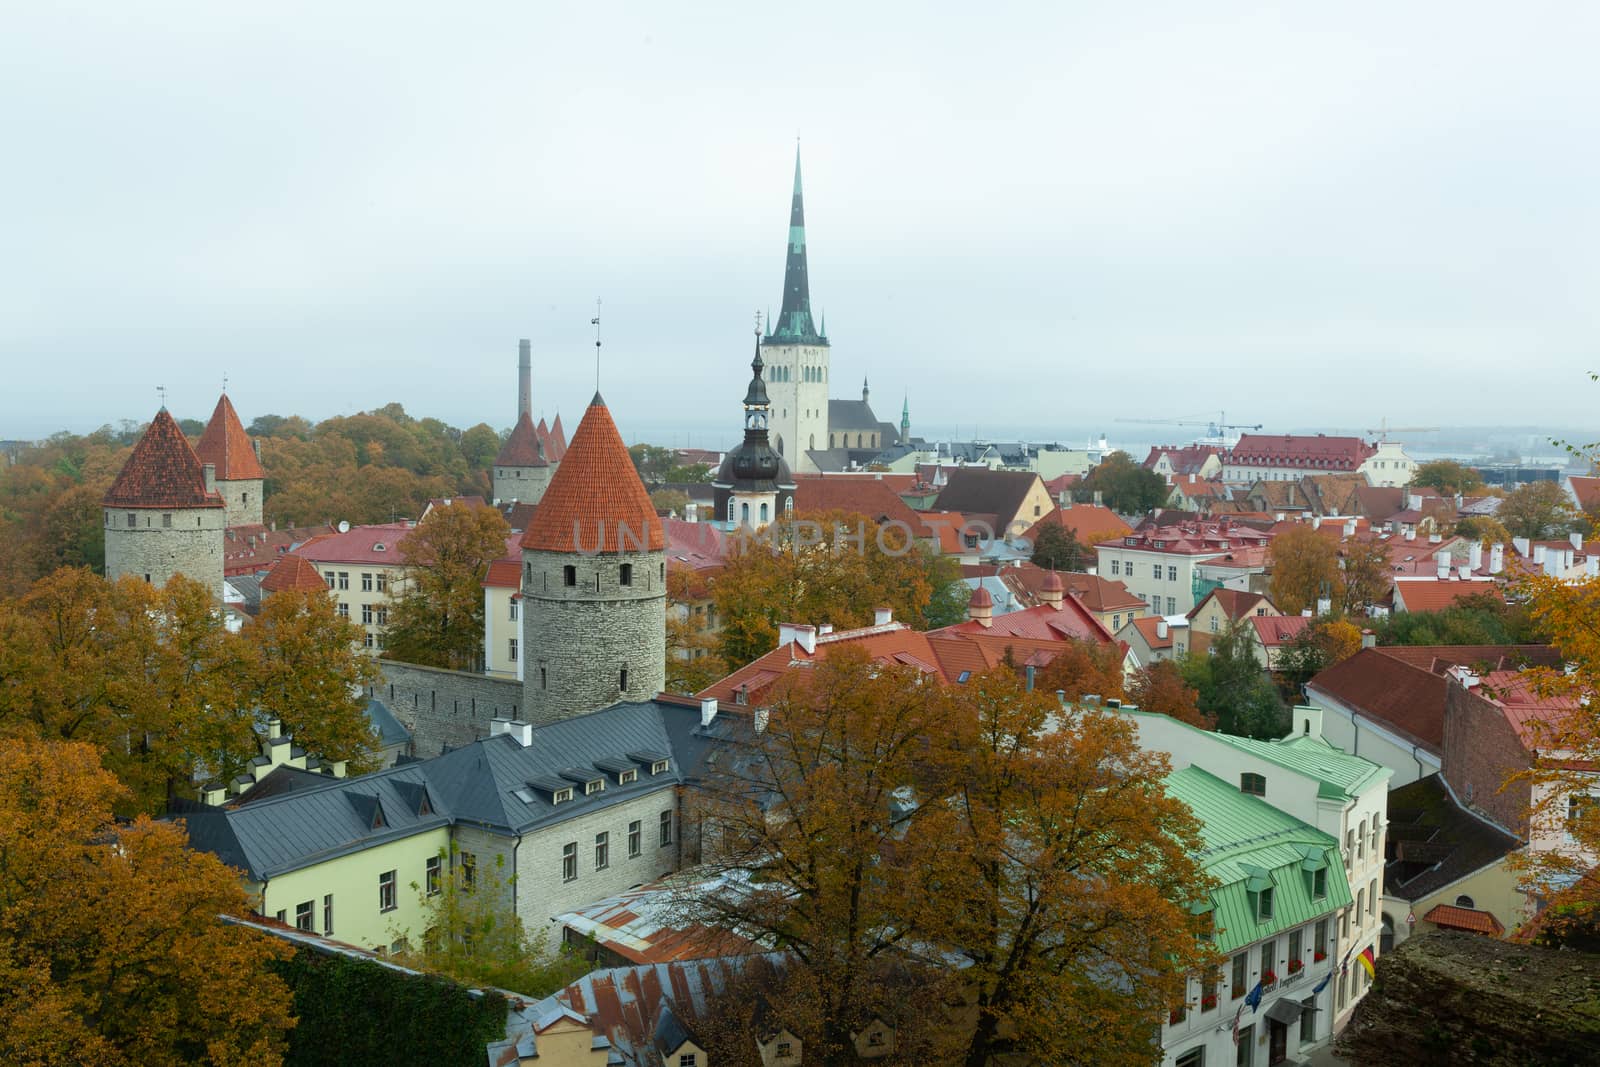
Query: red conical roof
(227, 446)
(980, 598)
(555, 445)
(595, 502)
(522, 447)
(293, 572)
(163, 472)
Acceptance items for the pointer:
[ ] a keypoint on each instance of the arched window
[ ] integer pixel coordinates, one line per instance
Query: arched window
(858, 440)
(788, 505)
(1464, 901)
(731, 511)
(744, 514)
(763, 513)
(813, 443)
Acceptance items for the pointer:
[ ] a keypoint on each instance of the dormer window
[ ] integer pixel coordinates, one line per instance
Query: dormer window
(658, 767)
(1319, 884)
(1253, 784)
(627, 776)
(1264, 905)
(561, 796)
(598, 785)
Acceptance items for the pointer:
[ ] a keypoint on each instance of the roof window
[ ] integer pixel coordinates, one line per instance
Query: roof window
(659, 766)
(558, 796)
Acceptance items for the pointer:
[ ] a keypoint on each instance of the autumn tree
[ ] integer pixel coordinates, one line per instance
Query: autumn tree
(1485, 529)
(1305, 567)
(1535, 510)
(813, 816)
(1234, 688)
(1124, 486)
(1447, 476)
(1160, 687)
(1061, 876)
(694, 658)
(1083, 667)
(1056, 548)
(1364, 575)
(438, 619)
(819, 567)
(1322, 644)
(303, 669)
(111, 949)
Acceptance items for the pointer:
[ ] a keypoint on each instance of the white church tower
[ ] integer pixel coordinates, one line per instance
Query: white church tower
(796, 354)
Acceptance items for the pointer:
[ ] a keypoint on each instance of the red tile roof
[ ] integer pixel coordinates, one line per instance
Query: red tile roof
(595, 502)
(228, 447)
(1431, 594)
(506, 572)
(1291, 450)
(379, 544)
(255, 547)
(1275, 631)
(1235, 603)
(1539, 719)
(162, 472)
(1587, 490)
(1470, 919)
(293, 572)
(1185, 459)
(1147, 627)
(1088, 522)
(1072, 621)
(875, 499)
(555, 442)
(523, 448)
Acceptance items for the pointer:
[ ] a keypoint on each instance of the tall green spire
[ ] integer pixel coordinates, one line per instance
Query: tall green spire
(795, 325)
(905, 418)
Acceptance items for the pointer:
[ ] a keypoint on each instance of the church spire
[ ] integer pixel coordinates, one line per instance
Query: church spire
(905, 419)
(794, 324)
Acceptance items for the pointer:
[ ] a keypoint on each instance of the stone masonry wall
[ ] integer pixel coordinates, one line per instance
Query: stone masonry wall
(445, 708)
(243, 501)
(578, 639)
(526, 484)
(191, 545)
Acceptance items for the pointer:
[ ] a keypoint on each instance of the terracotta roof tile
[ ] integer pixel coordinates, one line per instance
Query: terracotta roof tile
(1274, 631)
(228, 447)
(1088, 522)
(523, 447)
(555, 442)
(1470, 919)
(162, 472)
(875, 499)
(378, 544)
(595, 501)
(1431, 594)
(293, 572)
(255, 547)
(1587, 490)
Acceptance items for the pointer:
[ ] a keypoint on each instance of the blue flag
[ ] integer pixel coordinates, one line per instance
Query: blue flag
(1253, 998)
(1323, 984)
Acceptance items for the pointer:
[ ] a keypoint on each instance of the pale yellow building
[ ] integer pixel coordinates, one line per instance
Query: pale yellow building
(365, 572)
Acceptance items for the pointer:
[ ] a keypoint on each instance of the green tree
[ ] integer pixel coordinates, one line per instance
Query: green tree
(438, 619)
(1474, 620)
(669, 501)
(1447, 476)
(1233, 688)
(652, 462)
(1124, 485)
(1056, 548)
(947, 606)
(479, 445)
(1535, 510)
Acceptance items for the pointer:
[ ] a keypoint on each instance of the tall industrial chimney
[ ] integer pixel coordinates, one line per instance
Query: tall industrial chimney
(524, 378)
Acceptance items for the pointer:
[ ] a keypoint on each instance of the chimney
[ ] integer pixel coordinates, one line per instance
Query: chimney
(499, 725)
(1324, 606)
(797, 633)
(1591, 566)
(824, 629)
(1414, 501)
(708, 711)
(1465, 571)
(1305, 613)
(1552, 564)
(1349, 527)
(1577, 541)
(883, 615)
(1369, 639)
(1475, 554)
(980, 608)
(1435, 538)
(524, 378)
(1161, 629)
(1053, 592)
(1097, 496)
(1497, 558)
(1444, 566)
(1539, 554)
(691, 512)
(211, 477)
(1028, 672)
(274, 729)
(522, 731)
(1521, 545)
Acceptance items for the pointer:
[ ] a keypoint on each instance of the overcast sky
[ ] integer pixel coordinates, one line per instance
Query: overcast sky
(1034, 218)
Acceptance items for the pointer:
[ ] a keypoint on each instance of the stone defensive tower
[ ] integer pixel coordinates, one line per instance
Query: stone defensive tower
(797, 354)
(594, 567)
(237, 461)
(163, 514)
(521, 469)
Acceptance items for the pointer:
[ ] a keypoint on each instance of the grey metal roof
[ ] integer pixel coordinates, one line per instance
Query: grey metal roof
(478, 784)
(851, 415)
(389, 729)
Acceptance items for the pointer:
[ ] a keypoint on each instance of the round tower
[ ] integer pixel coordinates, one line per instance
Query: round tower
(753, 486)
(522, 470)
(594, 589)
(163, 514)
(237, 462)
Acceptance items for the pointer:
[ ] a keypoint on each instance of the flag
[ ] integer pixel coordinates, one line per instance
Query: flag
(1344, 964)
(1367, 959)
(1323, 984)
(1236, 1023)
(1253, 998)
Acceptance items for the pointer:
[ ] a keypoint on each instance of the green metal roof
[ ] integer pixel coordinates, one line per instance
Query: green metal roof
(1250, 844)
(1342, 775)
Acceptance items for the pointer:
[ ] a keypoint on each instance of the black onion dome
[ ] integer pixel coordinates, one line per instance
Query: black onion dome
(754, 467)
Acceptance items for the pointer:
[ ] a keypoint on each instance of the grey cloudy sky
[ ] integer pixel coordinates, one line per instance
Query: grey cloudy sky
(1036, 217)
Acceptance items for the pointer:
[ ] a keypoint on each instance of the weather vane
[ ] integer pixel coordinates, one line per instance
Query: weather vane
(161, 389)
(758, 322)
(224, 381)
(595, 322)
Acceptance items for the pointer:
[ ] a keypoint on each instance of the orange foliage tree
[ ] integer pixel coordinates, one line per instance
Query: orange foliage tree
(1083, 667)
(1160, 687)
(438, 618)
(111, 950)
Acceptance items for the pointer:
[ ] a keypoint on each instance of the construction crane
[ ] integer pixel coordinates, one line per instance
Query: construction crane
(1384, 429)
(1216, 429)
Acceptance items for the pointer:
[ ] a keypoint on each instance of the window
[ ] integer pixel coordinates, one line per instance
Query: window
(386, 891)
(785, 1049)
(1344, 925)
(569, 575)
(569, 862)
(1372, 898)
(561, 796)
(344, 611)
(875, 1037)
(1116, 623)
(1319, 941)
(590, 788)
(366, 581)
(1308, 1021)
(1156, 568)
(383, 616)
(435, 867)
(686, 1060)
(383, 581)
(1172, 574)
(511, 649)
(344, 579)
(666, 828)
(1464, 901)
(282, 916)
(1253, 784)
(513, 611)
(303, 915)
(1268, 962)
(1241, 974)
(133, 520)
(1172, 605)
(366, 614)
(1319, 884)
(1116, 566)
(635, 838)
(625, 574)
(366, 640)
(1195, 1057)
(1361, 899)
(1361, 840)
(327, 914)
(469, 871)
(166, 520)
(625, 777)
(542, 678)
(325, 574)
(1264, 904)
(622, 680)
(658, 767)
(1296, 962)
(602, 851)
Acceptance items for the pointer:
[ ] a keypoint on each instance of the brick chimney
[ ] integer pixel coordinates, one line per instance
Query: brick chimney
(1053, 592)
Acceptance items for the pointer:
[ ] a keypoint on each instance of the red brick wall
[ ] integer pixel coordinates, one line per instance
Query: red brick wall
(1481, 751)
